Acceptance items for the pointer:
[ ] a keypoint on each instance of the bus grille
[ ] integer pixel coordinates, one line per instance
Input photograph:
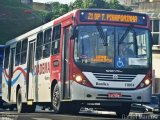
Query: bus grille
(114, 77)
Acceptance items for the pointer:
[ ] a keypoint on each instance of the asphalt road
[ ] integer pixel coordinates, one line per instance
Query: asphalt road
(86, 115)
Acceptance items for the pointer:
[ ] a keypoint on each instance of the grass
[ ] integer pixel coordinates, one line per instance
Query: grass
(14, 20)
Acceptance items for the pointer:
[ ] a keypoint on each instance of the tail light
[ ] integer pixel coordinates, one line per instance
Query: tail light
(146, 81)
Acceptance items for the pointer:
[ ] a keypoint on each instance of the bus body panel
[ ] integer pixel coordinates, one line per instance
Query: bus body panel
(19, 76)
(42, 80)
(4, 86)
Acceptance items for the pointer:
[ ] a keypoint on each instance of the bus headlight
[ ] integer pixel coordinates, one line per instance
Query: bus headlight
(147, 82)
(78, 79)
(81, 79)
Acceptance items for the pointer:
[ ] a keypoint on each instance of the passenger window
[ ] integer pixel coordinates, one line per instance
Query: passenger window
(39, 46)
(56, 39)
(24, 51)
(47, 43)
(40, 39)
(18, 49)
(6, 60)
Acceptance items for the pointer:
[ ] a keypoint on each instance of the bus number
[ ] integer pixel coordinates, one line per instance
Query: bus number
(90, 16)
(129, 84)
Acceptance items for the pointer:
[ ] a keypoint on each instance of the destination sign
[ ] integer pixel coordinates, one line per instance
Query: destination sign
(102, 16)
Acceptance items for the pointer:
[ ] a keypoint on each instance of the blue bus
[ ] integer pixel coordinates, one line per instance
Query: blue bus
(1, 64)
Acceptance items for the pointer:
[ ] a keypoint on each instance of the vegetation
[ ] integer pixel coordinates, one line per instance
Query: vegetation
(16, 19)
(58, 9)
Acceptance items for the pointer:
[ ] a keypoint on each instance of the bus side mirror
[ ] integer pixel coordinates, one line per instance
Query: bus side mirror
(151, 39)
(72, 32)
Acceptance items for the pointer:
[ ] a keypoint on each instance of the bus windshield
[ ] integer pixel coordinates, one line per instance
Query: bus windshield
(112, 46)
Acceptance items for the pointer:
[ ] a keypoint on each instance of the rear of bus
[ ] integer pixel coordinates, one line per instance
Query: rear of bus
(112, 59)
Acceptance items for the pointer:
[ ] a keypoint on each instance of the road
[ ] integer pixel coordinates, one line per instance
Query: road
(85, 115)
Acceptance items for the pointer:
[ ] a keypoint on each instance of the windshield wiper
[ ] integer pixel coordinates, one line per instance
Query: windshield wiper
(125, 34)
(102, 34)
(130, 28)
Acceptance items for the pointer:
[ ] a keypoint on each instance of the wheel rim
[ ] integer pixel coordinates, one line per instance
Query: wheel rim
(56, 98)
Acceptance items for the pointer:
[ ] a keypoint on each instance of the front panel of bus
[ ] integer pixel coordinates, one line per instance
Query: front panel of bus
(112, 57)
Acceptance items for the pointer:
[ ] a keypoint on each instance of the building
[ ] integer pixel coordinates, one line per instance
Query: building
(42, 6)
(135, 2)
(27, 1)
(131, 2)
(151, 7)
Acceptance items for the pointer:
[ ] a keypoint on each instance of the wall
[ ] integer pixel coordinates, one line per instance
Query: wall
(156, 68)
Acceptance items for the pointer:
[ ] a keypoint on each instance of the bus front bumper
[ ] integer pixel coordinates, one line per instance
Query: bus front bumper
(83, 93)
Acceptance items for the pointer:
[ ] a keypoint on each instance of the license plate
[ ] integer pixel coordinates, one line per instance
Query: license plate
(114, 95)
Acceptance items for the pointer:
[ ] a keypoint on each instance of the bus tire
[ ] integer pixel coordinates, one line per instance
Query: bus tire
(20, 106)
(62, 107)
(55, 99)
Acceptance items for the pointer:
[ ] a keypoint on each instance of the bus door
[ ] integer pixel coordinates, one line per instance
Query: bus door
(30, 73)
(65, 65)
(11, 68)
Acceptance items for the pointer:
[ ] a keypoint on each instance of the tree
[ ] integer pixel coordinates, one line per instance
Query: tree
(86, 3)
(97, 4)
(104, 4)
(58, 9)
(114, 4)
(78, 4)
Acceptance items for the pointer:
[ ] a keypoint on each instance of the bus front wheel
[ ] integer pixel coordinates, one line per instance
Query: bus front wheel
(23, 107)
(55, 99)
(63, 107)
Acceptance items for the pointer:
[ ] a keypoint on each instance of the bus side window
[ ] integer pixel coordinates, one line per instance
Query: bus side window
(39, 46)
(6, 60)
(47, 43)
(1, 55)
(56, 39)
(24, 51)
(18, 49)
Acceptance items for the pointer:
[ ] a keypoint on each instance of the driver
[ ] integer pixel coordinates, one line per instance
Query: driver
(125, 50)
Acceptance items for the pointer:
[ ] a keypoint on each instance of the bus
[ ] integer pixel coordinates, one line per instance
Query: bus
(1, 64)
(95, 58)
